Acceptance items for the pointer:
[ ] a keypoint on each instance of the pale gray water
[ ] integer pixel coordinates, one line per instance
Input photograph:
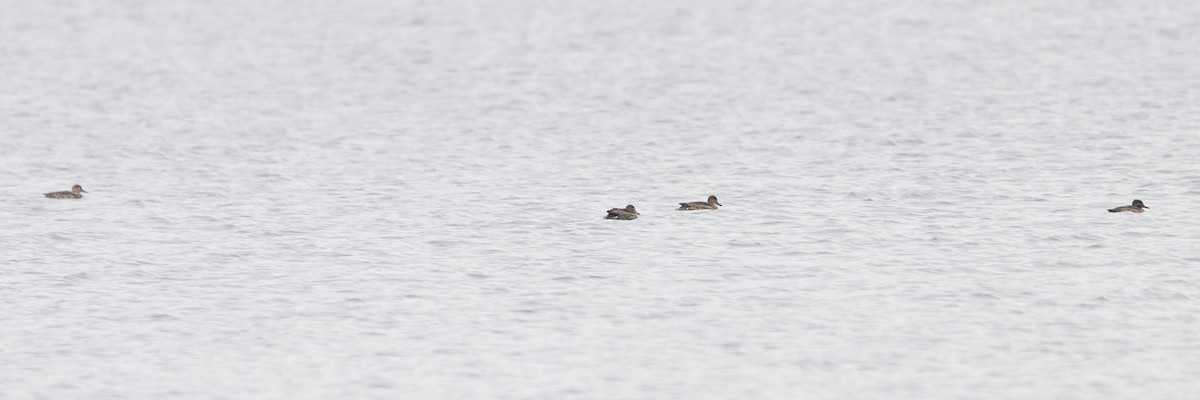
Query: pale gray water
(404, 200)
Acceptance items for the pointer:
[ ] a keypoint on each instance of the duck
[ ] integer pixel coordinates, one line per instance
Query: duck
(622, 213)
(711, 204)
(73, 194)
(1137, 207)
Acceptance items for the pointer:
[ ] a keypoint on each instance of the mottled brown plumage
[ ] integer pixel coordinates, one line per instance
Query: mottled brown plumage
(622, 213)
(73, 194)
(1136, 207)
(711, 204)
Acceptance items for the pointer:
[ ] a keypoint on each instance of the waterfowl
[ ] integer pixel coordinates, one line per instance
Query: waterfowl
(711, 204)
(622, 213)
(1137, 207)
(73, 194)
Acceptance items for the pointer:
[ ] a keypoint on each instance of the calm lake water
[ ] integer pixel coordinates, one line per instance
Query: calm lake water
(405, 199)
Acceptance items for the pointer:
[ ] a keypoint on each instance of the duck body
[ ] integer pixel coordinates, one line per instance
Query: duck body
(626, 213)
(711, 204)
(74, 193)
(1136, 207)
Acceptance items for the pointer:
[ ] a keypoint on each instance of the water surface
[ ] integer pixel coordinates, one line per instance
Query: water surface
(378, 199)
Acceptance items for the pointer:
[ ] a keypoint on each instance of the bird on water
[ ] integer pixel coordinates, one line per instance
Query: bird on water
(711, 204)
(1137, 207)
(73, 194)
(622, 213)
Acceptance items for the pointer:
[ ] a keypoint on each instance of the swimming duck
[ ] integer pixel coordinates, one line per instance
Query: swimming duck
(1136, 207)
(73, 194)
(711, 204)
(622, 213)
